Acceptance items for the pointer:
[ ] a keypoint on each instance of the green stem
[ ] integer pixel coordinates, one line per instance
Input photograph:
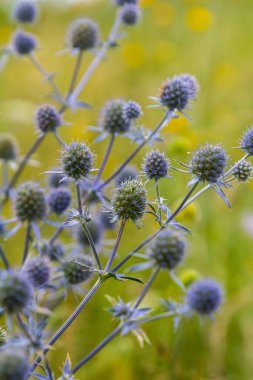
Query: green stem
(115, 248)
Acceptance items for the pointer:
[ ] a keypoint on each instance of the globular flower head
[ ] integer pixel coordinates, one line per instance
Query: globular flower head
(47, 118)
(127, 173)
(23, 43)
(13, 365)
(56, 180)
(15, 292)
(178, 91)
(204, 296)
(120, 3)
(83, 34)
(25, 11)
(132, 110)
(243, 170)
(167, 249)
(30, 203)
(113, 118)
(37, 270)
(59, 200)
(8, 147)
(77, 270)
(96, 231)
(156, 165)
(77, 160)
(247, 142)
(54, 251)
(130, 14)
(129, 201)
(208, 163)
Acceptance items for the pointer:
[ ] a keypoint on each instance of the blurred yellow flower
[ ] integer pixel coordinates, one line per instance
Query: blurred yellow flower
(5, 33)
(133, 55)
(189, 214)
(178, 125)
(189, 276)
(199, 19)
(163, 14)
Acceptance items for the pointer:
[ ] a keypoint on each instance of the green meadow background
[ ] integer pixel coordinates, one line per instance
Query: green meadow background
(212, 40)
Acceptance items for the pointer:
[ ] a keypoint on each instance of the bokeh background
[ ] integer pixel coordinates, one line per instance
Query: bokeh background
(212, 40)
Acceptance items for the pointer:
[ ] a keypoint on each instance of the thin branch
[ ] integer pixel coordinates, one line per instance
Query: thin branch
(105, 159)
(115, 248)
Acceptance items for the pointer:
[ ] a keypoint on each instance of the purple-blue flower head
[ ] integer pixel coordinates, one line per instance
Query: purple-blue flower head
(247, 142)
(59, 200)
(25, 11)
(23, 43)
(130, 14)
(47, 118)
(155, 165)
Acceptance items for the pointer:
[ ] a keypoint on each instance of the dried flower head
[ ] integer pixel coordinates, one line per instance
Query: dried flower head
(8, 147)
(155, 165)
(130, 14)
(112, 118)
(13, 365)
(129, 201)
(247, 141)
(15, 291)
(167, 249)
(208, 163)
(25, 11)
(76, 160)
(23, 43)
(132, 110)
(37, 270)
(77, 270)
(30, 203)
(59, 200)
(243, 170)
(47, 118)
(83, 34)
(204, 296)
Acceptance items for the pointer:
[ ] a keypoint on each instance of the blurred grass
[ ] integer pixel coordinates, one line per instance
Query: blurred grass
(212, 40)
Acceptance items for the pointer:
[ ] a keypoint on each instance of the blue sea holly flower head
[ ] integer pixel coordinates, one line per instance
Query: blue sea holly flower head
(130, 14)
(59, 200)
(83, 34)
(25, 11)
(243, 170)
(37, 270)
(177, 92)
(23, 43)
(77, 270)
(155, 165)
(30, 202)
(15, 291)
(113, 119)
(247, 142)
(208, 163)
(132, 110)
(54, 252)
(204, 297)
(129, 201)
(8, 148)
(167, 250)
(14, 365)
(47, 118)
(77, 161)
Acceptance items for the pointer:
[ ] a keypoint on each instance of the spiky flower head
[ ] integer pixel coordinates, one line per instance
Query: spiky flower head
(3, 336)
(167, 249)
(127, 173)
(76, 160)
(13, 365)
(120, 3)
(56, 180)
(112, 118)
(155, 165)
(53, 251)
(77, 270)
(95, 229)
(83, 34)
(23, 43)
(59, 200)
(47, 118)
(208, 163)
(25, 11)
(37, 270)
(129, 201)
(247, 142)
(15, 291)
(130, 14)
(178, 91)
(204, 296)
(8, 147)
(243, 170)
(30, 203)
(132, 110)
